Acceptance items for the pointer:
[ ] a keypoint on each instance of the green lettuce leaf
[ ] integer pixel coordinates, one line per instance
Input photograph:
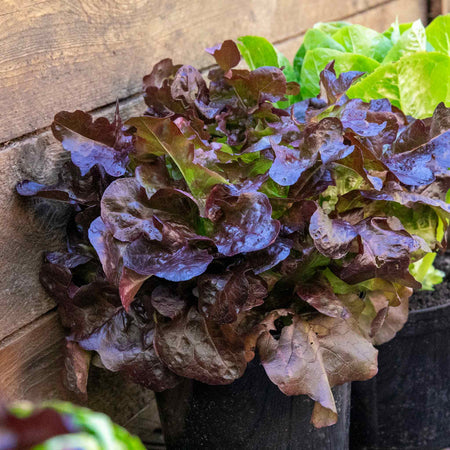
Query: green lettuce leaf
(314, 38)
(424, 272)
(396, 30)
(438, 34)
(410, 41)
(414, 84)
(363, 41)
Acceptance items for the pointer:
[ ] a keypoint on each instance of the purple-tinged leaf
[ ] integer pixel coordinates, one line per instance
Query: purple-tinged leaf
(326, 139)
(288, 164)
(260, 85)
(242, 223)
(263, 260)
(332, 88)
(422, 160)
(189, 86)
(126, 211)
(320, 296)
(314, 354)
(226, 55)
(386, 253)
(109, 250)
(193, 347)
(173, 261)
(129, 284)
(125, 343)
(71, 187)
(153, 175)
(93, 142)
(176, 202)
(221, 297)
(394, 193)
(157, 90)
(298, 216)
(69, 260)
(166, 299)
(332, 237)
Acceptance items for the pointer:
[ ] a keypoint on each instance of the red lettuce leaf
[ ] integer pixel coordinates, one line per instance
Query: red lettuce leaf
(222, 297)
(332, 237)
(93, 143)
(193, 347)
(386, 253)
(175, 258)
(169, 301)
(125, 343)
(242, 222)
(314, 354)
(226, 55)
(29, 432)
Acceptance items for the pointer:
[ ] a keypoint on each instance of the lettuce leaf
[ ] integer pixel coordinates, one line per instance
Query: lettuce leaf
(316, 60)
(413, 84)
(438, 34)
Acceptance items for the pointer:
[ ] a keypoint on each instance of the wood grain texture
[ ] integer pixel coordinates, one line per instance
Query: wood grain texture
(445, 6)
(31, 362)
(60, 54)
(27, 228)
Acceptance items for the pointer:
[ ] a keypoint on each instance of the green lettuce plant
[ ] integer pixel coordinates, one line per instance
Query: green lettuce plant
(408, 64)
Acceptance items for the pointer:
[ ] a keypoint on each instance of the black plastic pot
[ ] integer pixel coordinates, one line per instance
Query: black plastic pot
(407, 405)
(251, 413)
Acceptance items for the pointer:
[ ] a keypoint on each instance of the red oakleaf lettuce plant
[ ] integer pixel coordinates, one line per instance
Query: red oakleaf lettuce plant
(216, 226)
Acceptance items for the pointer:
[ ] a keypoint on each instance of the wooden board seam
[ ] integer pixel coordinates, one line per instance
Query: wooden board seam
(25, 329)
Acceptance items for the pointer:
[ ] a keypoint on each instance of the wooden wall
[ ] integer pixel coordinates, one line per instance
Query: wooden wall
(85, 54)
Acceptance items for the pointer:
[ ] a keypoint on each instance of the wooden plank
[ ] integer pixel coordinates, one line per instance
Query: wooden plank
(58, 55)
(445, 6)
(29, 227)
(32, 362)
(436, 7)
(379, 18)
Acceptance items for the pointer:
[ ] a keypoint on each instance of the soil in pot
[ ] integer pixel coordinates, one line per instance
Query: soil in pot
(251, 413)
(407, 405)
